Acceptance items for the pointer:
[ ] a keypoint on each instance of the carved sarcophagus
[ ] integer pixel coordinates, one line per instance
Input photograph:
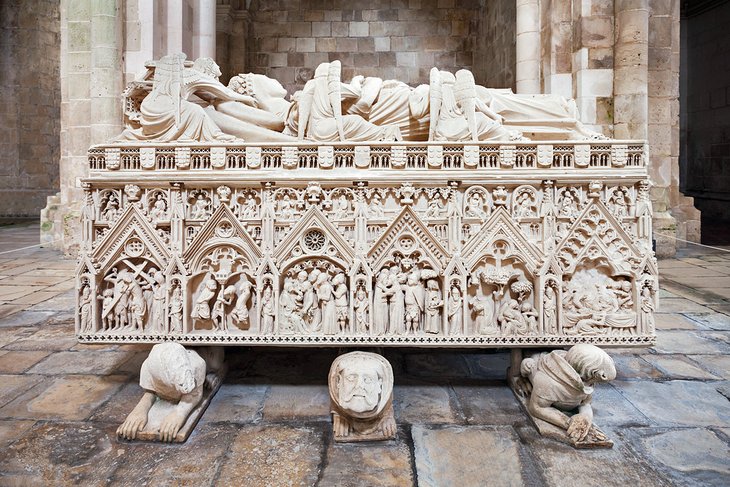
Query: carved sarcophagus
(483, 244)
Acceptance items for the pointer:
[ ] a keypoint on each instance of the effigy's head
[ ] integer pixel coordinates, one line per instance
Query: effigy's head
(257, 85)
(361, 383)
(592, 364)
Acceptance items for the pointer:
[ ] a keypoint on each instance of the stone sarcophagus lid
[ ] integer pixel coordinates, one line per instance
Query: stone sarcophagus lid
(448, 241)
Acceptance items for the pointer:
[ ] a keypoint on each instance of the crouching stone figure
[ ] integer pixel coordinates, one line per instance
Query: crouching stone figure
(559, 389)
(361, 394)
(178, 385)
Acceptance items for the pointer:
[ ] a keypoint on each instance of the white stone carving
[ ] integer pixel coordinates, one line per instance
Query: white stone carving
(557, 390)
(361, 397)
(178, 385)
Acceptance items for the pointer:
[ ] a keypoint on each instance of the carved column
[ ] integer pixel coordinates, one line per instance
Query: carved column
(528, 46)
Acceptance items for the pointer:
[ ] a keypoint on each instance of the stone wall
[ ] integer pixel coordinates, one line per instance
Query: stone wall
(392, 39)
(707, 151)
(30, 110)
(494, 55)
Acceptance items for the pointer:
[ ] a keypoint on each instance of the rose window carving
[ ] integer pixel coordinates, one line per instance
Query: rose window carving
(314, 240)
(134, 247)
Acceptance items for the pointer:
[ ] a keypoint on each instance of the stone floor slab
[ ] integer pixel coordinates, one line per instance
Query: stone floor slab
(237, 403)
(714, 321)
(61, 302)
(423, 404)
(83, 362)
(297, 402)
(611, 409)
(677, 402)
(54, 338)
(492, 405)
(373, 464)
(457, 455)
(718, 365)
(9, 309)
(60, 454)
(674, 321)
(689, 456)
(26, 318)
(634, 367)
(561, 465)
(11, 386)
(13, 334)
(273, 455)
(71, 398)
(688, 342)
(11, 430)
(35, 298)
(16, 362)
(681, 305)
(678, 367)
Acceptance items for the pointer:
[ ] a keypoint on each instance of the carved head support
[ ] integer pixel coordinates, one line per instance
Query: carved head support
(361, 384)
(592, 364)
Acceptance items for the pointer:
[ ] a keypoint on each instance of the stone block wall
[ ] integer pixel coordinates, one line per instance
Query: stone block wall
(494, 55)
(706, 153)
(392, 39)
(30, 108)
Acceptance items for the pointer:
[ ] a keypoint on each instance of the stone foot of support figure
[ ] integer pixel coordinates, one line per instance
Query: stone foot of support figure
(179, 385)
(556, 389)
(361, 396)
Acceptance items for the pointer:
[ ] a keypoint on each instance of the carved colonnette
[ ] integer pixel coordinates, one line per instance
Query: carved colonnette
(490, 244)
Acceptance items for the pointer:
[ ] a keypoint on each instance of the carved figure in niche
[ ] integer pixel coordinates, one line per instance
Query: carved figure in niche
(111, 208)
(85, 322)
(381, 315)
(240, 313)
(499, 196)
(510, 319)
(201, 308)
(483, 308)
(341, 304)
(648, 307)
(290, 321)
(525, 205)
(107, 307)
(568, 205)
(435, 208)
(592, 305)
(361, 396)
(268, 311)
(549, 307)
(397, 305)
(286, 209)
(122, 280)
(342, 208)
(169, 114)
(327, 308)
(218, 315)
(362, 310)
(310, 309)
(157, 311)
(199, 209)
(619, 203)
(475, 206)
(560, 388)
(455, 312)
(159, 208)
(138, 306)
(249, 209)
(434, 303)
(176, 309)
(414, 302)
(174, 380)
(376, 209)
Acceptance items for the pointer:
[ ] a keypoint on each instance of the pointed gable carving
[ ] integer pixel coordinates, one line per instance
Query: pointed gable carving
(222, 228)
(134, 236)
(85, 266)
(396, 238)
(500, 226)
(303, 239)
(597, 235)
(176, 267)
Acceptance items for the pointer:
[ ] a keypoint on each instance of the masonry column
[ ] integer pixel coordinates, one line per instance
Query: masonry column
(528, 46)
(631, 81)
(174, 27)
(204, 29)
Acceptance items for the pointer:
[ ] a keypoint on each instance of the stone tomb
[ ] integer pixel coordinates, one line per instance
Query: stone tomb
(366, 213)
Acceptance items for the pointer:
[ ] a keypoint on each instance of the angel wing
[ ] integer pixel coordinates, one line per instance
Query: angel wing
(465, 95)
(334, 76)
(305, 109)
(169, 79)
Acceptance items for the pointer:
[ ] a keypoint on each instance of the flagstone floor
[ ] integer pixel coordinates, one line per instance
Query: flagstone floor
(61, 402)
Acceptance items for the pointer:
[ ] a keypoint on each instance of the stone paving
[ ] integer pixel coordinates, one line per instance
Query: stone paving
(61, 402)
